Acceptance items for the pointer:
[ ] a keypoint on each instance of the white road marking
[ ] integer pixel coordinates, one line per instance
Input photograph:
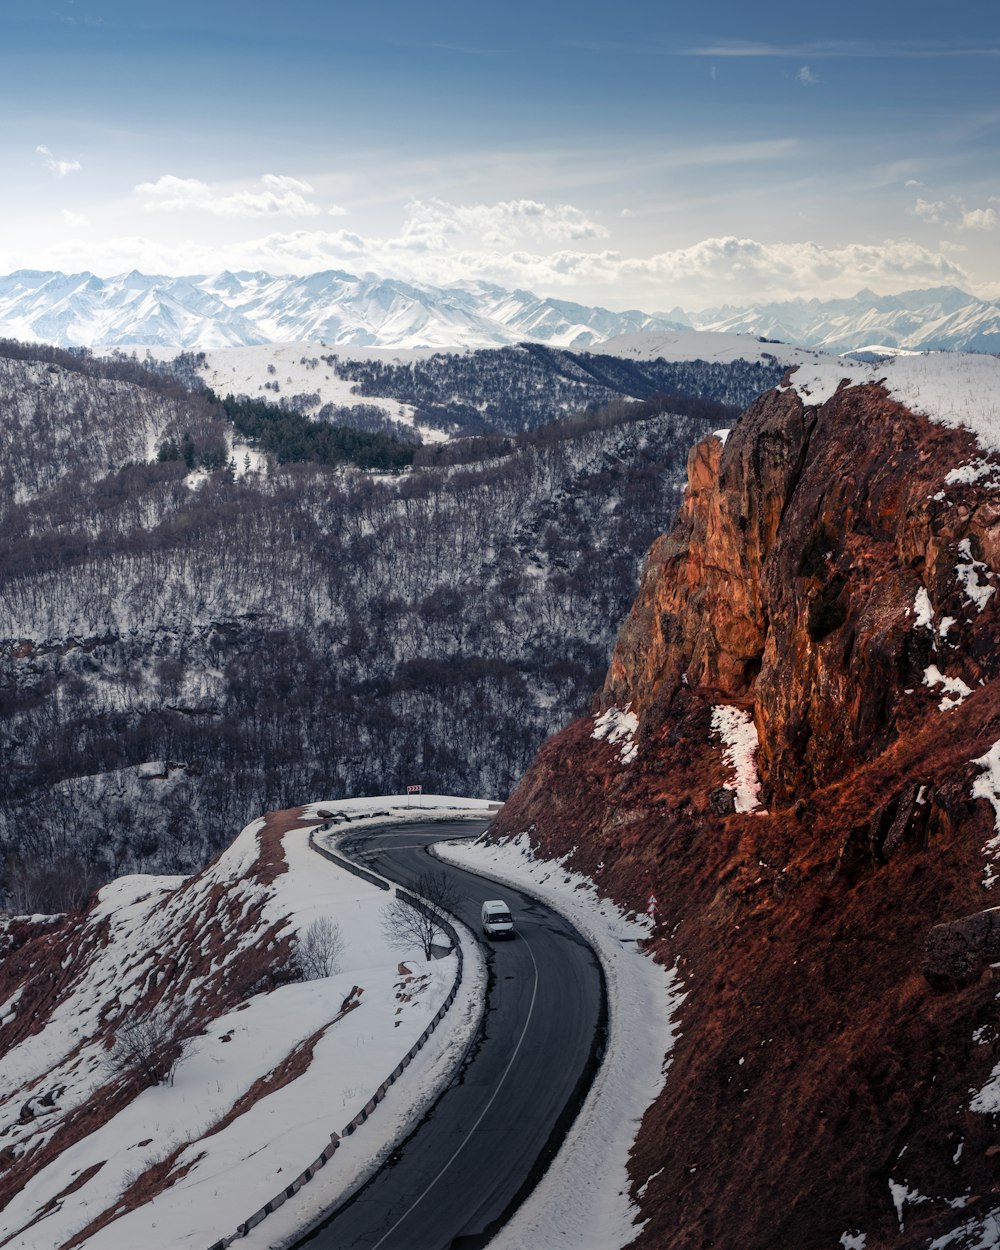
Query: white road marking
(465, 1140)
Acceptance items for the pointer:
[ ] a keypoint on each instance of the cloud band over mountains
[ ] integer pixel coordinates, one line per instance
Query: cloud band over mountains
(552, 248)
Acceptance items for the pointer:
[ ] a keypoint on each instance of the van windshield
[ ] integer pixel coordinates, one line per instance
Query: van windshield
(500, 917)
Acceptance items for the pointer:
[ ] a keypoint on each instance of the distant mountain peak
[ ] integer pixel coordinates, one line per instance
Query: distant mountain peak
(248, 307)
(935, 319)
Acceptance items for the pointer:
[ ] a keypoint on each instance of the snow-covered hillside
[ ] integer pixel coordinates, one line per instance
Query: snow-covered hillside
(707, 345)
(302, 375)
(269, 1064)
(435, 393)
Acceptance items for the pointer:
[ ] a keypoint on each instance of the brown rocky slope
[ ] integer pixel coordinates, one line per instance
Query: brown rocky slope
(823, 573)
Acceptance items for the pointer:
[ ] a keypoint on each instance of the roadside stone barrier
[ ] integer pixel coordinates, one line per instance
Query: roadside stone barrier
(355, 869)
(352, 1126)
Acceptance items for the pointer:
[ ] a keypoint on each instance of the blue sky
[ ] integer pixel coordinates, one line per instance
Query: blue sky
(633, 154)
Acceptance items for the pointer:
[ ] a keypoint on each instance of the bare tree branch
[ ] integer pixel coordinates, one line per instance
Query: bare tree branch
(320, 949)
(148, 1046)
(405, 925)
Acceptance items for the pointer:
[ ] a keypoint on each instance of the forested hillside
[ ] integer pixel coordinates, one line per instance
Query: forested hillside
(257, 633)
(518, 388)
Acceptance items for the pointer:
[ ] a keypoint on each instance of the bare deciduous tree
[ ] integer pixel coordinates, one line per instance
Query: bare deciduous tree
(415, 636)
(320, 949)
(147, 1045)
(57, 884)
(405, 925)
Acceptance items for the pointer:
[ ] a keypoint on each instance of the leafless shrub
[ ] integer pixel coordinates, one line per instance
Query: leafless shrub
(320, 949)
(147, 1045)
(405, 926)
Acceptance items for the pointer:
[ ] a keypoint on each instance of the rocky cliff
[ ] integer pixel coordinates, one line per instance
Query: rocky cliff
(793, 761)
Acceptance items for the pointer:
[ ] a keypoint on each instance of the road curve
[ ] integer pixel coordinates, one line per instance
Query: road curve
(483, 1145)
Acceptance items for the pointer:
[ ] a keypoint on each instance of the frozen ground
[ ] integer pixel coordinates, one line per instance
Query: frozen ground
(276, 371)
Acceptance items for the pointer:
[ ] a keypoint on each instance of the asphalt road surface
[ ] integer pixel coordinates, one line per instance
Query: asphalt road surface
(482, 1147)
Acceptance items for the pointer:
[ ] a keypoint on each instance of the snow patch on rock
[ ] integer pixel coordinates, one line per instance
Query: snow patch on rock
(735, 726)
(955, 689)
(968, 575)
(619, 725)
(923, 612)
(967, 474)
(987, 786)
(901, 1195)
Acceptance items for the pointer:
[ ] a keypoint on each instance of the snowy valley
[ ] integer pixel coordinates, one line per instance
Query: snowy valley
(788, 774)
(257, 631)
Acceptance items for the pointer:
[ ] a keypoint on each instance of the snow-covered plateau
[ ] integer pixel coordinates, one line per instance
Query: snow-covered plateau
(958, 390)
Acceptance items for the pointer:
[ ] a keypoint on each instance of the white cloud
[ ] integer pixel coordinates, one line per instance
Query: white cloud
(806, 77)
(929, 210)
(54, 166)
(73, 219)
(501, 223)
(552, 249)
(954, 214)
(980, 219)
(731, 268)
(912, 182)
(275, 194)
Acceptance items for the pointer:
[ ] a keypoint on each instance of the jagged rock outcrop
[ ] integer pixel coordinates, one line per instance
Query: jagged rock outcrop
(834, 576)
(793, 571)
(956, 953)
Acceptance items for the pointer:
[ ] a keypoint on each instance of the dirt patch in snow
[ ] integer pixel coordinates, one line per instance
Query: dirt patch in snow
(153, 1181)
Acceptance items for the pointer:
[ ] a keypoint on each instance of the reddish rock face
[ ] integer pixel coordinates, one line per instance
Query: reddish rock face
(821, 574)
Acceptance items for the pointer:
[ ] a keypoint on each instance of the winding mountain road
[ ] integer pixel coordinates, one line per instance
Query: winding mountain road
(485, 1142)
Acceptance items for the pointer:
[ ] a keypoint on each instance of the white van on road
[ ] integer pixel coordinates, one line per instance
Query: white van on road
(497, 920)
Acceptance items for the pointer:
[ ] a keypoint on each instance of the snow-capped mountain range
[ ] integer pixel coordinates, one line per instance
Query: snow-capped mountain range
(340, 309)
(939, 319)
